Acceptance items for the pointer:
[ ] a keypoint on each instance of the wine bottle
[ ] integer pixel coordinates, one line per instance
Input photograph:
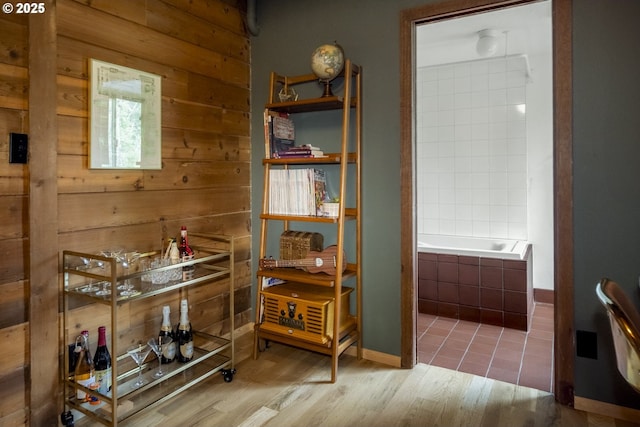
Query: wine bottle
(174, 252)
(186, 254)
(184, 334)
(169, 350)
(102, 362)
(85, 370)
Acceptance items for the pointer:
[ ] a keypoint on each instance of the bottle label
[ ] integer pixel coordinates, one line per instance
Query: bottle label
(85, 380)
(187, 271)
(103, 378)
(186, 350)
(169, 351)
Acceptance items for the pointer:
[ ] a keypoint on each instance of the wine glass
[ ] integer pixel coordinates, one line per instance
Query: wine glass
(138, 353)
(105, 284)
(127, 259)
(105, 289)
(91, 287)
(87, 263)
(156, 346)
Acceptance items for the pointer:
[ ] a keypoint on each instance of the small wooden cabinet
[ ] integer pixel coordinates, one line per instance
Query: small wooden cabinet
(214, 261)
(332, 328)
(305, 312)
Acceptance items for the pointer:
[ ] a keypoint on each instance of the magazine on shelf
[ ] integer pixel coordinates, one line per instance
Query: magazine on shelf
(268, 282)
(297, 191)
(319, 190)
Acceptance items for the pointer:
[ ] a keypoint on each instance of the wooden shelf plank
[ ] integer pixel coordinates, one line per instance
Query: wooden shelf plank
(307, 218)
(311, 105)
(295, 275)
(331, 158)
(349, 336)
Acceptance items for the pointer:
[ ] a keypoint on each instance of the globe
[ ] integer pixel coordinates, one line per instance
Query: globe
(327, 61)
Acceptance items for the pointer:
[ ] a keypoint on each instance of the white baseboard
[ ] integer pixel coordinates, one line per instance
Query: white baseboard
(606, 409)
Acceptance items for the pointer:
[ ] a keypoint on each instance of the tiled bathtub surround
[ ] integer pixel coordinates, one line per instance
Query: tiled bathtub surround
(485, 290)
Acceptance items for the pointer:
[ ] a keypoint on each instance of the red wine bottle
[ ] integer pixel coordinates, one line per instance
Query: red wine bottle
(184, 334)
(186, 254)
(102, 362)
(168, 350)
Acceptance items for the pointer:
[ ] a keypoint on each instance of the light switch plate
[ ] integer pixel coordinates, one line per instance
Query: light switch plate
(18, 147)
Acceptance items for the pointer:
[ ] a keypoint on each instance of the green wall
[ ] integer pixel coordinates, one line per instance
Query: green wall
(606, 142)
(606, 153)
(369, 33)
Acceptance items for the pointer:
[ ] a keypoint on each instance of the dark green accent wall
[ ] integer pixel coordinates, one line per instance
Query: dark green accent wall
(369, 33)
(606, 131)
(606, 147)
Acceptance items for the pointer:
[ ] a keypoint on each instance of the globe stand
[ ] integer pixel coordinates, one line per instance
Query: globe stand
(327, 88)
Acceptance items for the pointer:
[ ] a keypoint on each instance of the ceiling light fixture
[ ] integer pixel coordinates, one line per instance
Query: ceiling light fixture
(487, 42)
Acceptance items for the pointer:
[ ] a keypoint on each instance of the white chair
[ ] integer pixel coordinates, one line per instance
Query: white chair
(624, 320)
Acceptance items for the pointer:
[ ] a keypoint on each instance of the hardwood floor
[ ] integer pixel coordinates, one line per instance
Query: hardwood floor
(290, 387)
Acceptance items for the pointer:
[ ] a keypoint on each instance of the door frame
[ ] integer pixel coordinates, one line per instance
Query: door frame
(562, 179)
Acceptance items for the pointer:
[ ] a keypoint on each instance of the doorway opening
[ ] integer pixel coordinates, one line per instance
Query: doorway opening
(562, 228)
(483, 150)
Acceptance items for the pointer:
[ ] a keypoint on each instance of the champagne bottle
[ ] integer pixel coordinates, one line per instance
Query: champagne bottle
(186, 254)
(168, 351)
(184, 334)
(85, 370)
(102, 362)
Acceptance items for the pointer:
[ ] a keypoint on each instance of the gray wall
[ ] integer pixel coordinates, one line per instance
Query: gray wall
(606, 143)
(606, 153)
(369, 33)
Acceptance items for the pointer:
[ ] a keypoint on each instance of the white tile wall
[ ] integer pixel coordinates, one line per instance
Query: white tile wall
(471, 149)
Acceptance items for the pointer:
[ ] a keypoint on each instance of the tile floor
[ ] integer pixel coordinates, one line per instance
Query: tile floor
(510, 355)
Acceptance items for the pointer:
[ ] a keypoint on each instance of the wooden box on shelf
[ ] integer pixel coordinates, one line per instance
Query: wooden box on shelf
(305, 311)
(297, 244)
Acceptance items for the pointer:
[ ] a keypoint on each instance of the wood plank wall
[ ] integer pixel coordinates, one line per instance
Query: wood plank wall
(14, 223)
(201, 50)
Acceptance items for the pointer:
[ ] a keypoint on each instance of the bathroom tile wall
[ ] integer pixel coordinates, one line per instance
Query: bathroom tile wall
(471, 149)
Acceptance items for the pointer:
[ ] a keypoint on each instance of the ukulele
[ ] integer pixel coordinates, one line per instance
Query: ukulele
(315, 262)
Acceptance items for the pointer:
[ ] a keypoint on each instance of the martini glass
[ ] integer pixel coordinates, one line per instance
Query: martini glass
(105, 284)
(105, 289)
(138, 353)
(156, 345)
(127, 260)
(87, 264)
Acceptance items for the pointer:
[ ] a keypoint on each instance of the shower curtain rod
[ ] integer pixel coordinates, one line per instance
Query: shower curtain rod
(494, 58)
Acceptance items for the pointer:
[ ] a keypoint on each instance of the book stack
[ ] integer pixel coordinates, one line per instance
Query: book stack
(279, 133)
(297, 191)
(301, 151)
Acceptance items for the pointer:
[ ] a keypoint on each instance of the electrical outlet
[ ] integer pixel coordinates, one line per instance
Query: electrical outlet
(587, 344)
(18, 147)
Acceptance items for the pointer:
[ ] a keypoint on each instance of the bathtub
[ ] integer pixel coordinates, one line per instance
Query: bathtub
(479, 280)
(472, 246)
